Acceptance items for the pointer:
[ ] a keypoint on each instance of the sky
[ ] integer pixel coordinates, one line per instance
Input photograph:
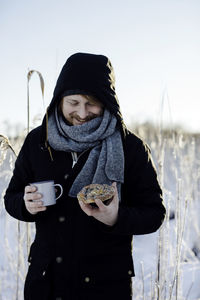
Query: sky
(153, 45)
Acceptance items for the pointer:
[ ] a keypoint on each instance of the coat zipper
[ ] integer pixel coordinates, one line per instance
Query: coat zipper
(75, 157)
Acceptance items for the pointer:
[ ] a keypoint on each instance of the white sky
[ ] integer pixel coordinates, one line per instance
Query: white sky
(154, 47)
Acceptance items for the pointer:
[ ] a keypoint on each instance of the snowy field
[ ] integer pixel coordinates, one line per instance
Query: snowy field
(167, 263)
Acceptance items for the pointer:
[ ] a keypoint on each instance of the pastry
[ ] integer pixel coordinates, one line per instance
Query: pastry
(89, 193)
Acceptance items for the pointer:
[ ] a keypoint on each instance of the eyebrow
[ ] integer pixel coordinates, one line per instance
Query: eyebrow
(75, 100)
(88, 101)
(72, 100)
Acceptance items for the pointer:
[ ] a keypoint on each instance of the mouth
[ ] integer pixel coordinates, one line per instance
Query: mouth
(78, 122)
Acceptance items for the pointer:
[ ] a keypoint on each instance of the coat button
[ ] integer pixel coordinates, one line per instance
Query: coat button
(61, 219)
(66, 176)
(87, 279)
(129, 272)
(59, 259)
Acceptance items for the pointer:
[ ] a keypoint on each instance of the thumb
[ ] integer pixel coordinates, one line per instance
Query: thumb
(114, 184)
(115, 197)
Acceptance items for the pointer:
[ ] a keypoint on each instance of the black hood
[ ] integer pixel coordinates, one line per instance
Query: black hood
(85, 73)
(91, 73)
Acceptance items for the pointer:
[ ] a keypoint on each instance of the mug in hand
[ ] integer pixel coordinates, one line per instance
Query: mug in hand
(47, 190)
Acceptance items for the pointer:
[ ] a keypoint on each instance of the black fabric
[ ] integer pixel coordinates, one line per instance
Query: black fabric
(75, 92)
(88, 247)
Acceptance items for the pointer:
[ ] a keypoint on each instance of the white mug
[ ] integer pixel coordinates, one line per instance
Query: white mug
(47, 190)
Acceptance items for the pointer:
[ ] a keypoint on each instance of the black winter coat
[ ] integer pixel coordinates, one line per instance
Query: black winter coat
(74, 256)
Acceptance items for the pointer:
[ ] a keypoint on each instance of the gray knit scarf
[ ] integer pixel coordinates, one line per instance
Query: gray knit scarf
(105, 163)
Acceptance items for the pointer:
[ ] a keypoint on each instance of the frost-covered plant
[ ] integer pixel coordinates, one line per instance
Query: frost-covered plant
(177, 159)
(170, 269)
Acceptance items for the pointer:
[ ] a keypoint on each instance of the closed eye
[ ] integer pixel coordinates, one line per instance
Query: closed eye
(91, 104)
(73, 103)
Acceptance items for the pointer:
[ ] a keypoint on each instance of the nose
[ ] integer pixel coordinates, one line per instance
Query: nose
(82, 112)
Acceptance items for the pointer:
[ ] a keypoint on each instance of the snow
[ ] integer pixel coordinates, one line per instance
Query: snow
(167, 262)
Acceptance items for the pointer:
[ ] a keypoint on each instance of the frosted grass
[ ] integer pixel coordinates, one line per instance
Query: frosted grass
(167, 263)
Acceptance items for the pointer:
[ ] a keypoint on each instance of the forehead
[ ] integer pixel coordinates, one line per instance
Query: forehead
(82, 98)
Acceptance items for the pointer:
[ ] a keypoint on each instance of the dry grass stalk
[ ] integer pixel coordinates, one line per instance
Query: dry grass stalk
(29, 75)
(4, 145)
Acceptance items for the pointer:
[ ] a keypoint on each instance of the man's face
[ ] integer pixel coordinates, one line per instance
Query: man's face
(77, 109)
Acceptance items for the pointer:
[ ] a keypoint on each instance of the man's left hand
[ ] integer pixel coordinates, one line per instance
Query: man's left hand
(106, 214)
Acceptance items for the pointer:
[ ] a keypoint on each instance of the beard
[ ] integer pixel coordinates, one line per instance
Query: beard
(88, 118)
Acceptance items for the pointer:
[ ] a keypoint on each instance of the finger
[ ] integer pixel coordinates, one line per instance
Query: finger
(36, 210)
(35, 204)
(41, 208)
(114, 184)
(86, 208)
(32, 196)
(115, 197)
(100, 204)
(30, 189)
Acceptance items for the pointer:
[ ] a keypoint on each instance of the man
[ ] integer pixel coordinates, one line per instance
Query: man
(82, 251)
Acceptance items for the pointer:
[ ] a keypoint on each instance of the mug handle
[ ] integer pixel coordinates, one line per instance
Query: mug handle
(61, 190)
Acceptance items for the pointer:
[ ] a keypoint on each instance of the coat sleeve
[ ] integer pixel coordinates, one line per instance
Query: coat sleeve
(13, 199)
(142, 210)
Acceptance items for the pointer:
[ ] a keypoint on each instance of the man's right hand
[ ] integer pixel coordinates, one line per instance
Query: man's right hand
(33, 200)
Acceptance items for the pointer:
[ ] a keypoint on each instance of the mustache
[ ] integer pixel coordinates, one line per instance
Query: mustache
(88, 118)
